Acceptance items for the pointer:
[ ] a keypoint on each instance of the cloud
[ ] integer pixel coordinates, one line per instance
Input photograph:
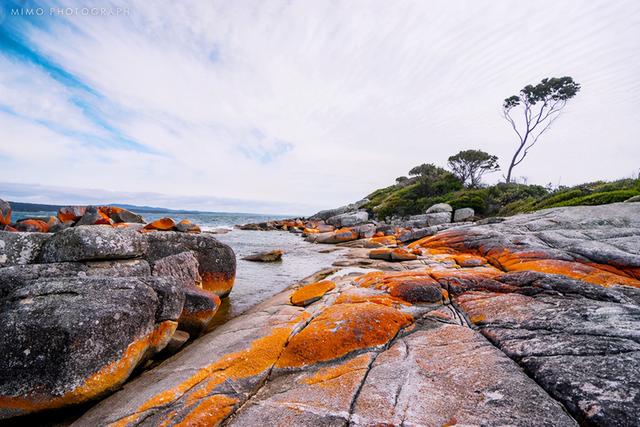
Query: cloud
(313, 103)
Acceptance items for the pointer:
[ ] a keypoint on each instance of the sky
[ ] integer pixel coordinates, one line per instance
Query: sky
(295, 106)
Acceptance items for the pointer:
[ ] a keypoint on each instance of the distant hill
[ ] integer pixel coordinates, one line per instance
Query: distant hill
(37, 207)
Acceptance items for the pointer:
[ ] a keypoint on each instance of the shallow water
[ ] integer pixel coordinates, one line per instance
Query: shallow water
(257, 281)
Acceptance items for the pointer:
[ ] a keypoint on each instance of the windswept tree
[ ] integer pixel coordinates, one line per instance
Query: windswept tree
(541, 105)
(470, 165)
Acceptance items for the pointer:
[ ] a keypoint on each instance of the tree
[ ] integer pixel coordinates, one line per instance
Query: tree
(434, 180)
(470, 165)
(541, 106)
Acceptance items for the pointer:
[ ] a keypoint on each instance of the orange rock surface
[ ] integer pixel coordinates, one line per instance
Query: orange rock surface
(342, 329)
(311, 293)
(71, 213)
(218, 283)
(162, 224)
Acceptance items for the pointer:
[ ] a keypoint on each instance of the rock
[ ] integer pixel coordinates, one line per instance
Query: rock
(338, 236)
(186, 226)
(55, 224)
(341, 329)
(348, 219)
(378, 242)
(216, 261)
(120, 215)
(463, 214)
(400, 254)
(271, 256)
(326, 214)
(419, 233)
(32, 226)
(450, 375)
(438, 218)
(325, 228)
(183, 267)
(94, 216)
(20, 248)
(380, 253)
(200, 307)
(311, 293)
(633, 199)
(365, 231)
(72, 340)
(87, 243)
(5, 213)
(71, 213)
(177, 341)
(162, 224)
(440, 207)
(16, 276)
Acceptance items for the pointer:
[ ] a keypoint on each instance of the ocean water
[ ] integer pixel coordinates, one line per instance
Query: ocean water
(255, 281)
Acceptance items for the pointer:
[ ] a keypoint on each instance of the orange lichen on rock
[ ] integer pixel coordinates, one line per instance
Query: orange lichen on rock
(217, 282)
(380, 253)
(187, 226)
(345, 235)
(71, 213)
(209, 412)
(468, 260)
(108, 378)
(324, 375)
(259, 357)
(311, 293)
(342, 329)
(33, 225)
(400, 254)
(5, 213)
(162, 224)
(382, 240)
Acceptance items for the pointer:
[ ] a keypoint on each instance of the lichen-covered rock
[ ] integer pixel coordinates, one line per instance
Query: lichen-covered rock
(338, 236)
(69, 340)
(32, 225)
(216, 261)
(20, 248)
(183, 267)
(94, 216)
(311, 293)
(5, 213)
(120, 215)
(71, 213)
(186, 226)
(463, 214)
(440, 207)
(162, 224)
(200, 306)
(93, 242)
(270, 256)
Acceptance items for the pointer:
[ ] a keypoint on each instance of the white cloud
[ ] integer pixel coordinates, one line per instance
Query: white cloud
(362, 91)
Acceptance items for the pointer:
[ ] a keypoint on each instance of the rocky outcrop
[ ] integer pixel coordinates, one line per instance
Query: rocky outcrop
(348, 219)
(82, 308)
(531, 320)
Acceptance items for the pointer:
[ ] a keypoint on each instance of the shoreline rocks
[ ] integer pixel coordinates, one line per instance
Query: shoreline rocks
(533, 317)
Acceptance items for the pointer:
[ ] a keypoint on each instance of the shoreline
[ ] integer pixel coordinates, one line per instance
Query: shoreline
(513, 307)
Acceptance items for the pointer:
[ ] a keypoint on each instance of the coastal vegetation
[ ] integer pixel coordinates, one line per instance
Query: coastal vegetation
(412, 196)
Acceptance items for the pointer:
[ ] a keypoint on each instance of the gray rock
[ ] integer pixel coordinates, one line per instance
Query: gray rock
(59, 334)
(93, 242)
(365, 231)
(216, 261)
(183, 267)
(418, 233)
(633, 199)
(325, 214)
(91, 217)
(444, 374)
(438, 218)
(270, 256)
(128, 216)
(440, 207)
(348, 219)
(463, 214)
(20, 248)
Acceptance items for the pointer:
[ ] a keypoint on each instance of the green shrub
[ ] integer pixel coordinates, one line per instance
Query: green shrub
(600, 198)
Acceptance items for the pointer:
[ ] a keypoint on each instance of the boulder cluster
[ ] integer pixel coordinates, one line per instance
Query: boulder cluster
(348, 223)
(533, 320)
(94, 293)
